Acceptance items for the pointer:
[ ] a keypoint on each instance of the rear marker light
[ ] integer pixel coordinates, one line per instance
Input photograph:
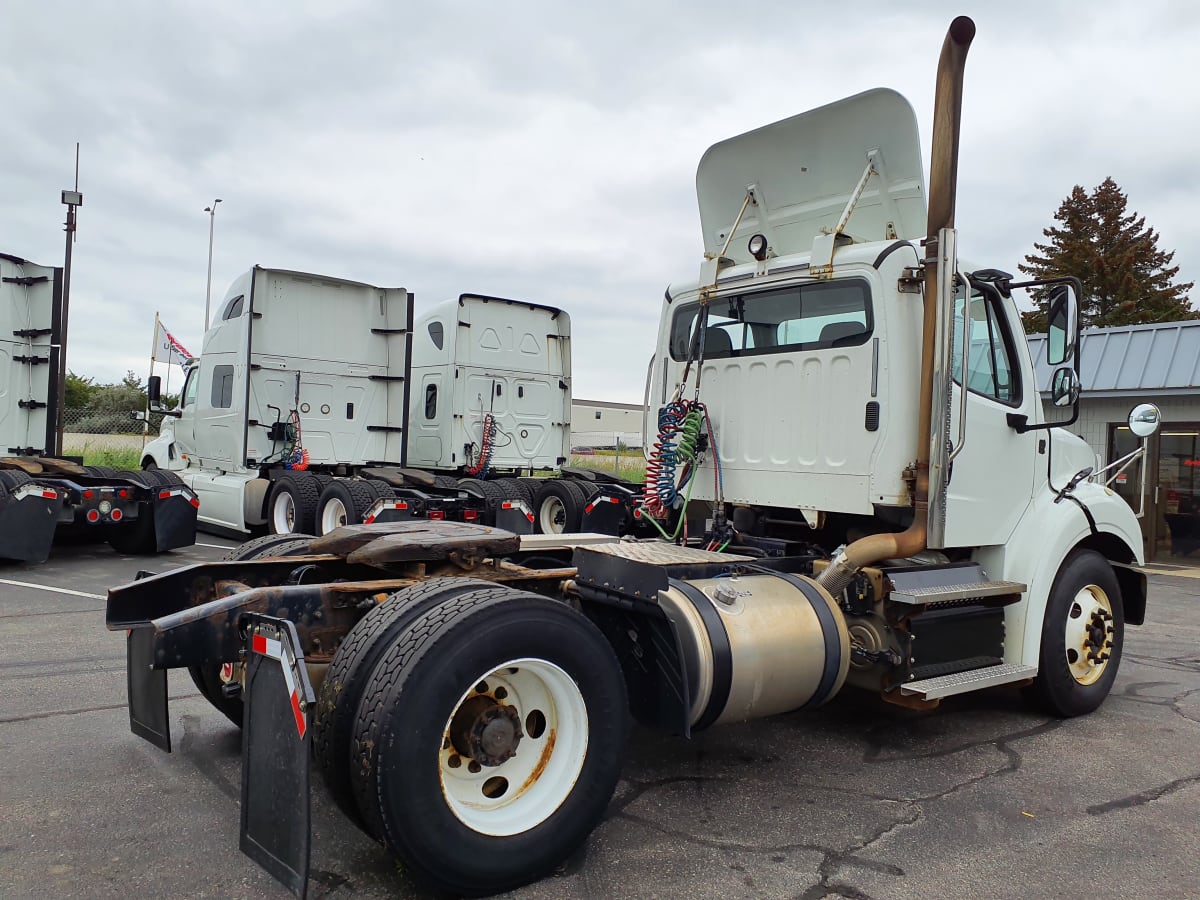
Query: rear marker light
(437, 514)
(93, 515)
(470, 515)
(122, 493)
(88, 495)
(116, 515)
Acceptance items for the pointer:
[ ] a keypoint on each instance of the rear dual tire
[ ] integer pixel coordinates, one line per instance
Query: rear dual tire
(486, 732)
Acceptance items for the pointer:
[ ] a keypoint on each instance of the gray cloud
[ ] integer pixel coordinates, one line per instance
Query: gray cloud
(534, 150)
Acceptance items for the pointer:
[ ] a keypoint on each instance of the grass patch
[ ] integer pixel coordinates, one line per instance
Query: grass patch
(108, 456)
(629, 466)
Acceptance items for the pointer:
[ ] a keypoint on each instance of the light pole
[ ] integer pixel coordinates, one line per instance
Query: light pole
(212, 214)
(72, 200)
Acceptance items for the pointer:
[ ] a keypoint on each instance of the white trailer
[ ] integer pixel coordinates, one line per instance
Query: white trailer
(316, 402)
(852, 465)
(41, 494)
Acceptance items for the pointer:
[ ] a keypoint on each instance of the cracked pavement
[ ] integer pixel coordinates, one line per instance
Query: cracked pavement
(856, 800)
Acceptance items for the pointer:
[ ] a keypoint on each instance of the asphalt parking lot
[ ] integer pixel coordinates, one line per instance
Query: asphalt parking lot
(857, 799)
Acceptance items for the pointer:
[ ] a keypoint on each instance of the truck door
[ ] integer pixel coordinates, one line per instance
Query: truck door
(185, 425)
(991, 480)
(219, 411)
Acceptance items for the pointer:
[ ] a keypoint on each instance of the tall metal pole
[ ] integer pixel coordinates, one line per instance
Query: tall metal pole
(72, 200)
(212, 214)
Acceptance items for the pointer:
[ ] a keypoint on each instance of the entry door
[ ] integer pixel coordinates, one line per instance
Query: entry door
(1171, 525)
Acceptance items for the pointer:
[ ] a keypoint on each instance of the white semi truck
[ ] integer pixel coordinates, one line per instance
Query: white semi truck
(859, 487)
(318, 402)
(43, 495)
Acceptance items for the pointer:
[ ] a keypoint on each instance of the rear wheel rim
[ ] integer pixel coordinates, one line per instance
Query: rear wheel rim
(537, 735)
(334, 515)
(1089, 634)
(552, 516)
(283, 513)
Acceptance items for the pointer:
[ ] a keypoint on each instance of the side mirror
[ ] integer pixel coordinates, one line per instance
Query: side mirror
(1144, 420)
(154, 390)
(1063, 328)
(1064, 390)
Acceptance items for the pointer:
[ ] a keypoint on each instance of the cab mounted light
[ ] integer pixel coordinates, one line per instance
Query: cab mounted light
(757, 246)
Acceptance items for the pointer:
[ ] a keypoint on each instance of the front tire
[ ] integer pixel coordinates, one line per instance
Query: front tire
(1082, 638)
(489, 740)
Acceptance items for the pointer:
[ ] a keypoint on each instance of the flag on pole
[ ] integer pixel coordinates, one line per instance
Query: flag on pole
(166, 348)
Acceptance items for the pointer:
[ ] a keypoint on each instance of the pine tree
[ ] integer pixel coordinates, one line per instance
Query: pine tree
(1127, 279)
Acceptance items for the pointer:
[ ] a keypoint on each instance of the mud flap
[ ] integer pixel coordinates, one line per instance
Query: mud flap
(276, 818)
(174, 514)
(608, 511)
(27, 522)
(515, 516)
(147, 690)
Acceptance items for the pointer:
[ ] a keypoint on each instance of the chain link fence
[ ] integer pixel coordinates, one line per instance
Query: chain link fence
(609, 451)
(92, 430)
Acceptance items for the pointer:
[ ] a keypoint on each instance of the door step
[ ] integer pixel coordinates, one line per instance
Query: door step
(964, 682)
(947, 593)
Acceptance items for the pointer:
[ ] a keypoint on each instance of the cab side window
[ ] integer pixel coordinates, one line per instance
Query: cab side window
(189, 389)
(222, 387)
(991, 359)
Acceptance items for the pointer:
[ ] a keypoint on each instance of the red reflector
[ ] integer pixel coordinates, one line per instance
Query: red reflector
(368, 520)
(88, 495)
(163, 495)
(529, 516)
(122, 493)
(507, 504)
(115, 515)
(196, 502)
(49, 494)
(470, 515)
(437, 514)
(589, 507)
(260, 644)
(400, 504)
(93, 515)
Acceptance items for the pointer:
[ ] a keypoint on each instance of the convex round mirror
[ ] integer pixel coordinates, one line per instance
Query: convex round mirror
(1144, 419)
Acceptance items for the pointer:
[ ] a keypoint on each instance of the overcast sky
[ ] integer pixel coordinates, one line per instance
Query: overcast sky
(543, 151)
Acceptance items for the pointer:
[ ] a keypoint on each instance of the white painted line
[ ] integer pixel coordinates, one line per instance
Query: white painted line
(56, 590)
(216, 546)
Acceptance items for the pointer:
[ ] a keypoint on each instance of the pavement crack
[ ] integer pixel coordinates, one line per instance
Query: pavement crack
(51, 714)
(1143, 797)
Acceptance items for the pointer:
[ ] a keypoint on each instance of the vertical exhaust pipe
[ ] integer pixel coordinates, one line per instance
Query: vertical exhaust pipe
(943, 188)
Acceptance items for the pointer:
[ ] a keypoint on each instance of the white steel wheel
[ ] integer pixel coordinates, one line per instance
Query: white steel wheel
(552, 516)
(1089, 634)
(283, 513)
(333, 515)
(488, 739)
(514, 747)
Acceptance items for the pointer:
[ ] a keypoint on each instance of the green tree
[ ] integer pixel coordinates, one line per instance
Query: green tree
(1127, 279)
(79, 390)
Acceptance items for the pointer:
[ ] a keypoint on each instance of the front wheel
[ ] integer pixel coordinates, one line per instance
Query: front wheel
(1082, 637)
(489, 740)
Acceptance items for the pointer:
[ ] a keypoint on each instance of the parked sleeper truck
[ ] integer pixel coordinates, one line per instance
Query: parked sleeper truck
(465, 692)
(317, 402)
(41, 494)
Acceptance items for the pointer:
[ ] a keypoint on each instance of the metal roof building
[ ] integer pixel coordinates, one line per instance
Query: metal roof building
(1121, 367)
(1162, 359)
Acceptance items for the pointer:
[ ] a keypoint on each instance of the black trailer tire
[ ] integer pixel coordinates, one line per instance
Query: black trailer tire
(514, 489)
(292, 504)
(490, 492)
(383, 490)
(1082, 638)
(101, 471)
(207, 678)
(352, 667)
(558, 508)
(344, 501)
(527, 684)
